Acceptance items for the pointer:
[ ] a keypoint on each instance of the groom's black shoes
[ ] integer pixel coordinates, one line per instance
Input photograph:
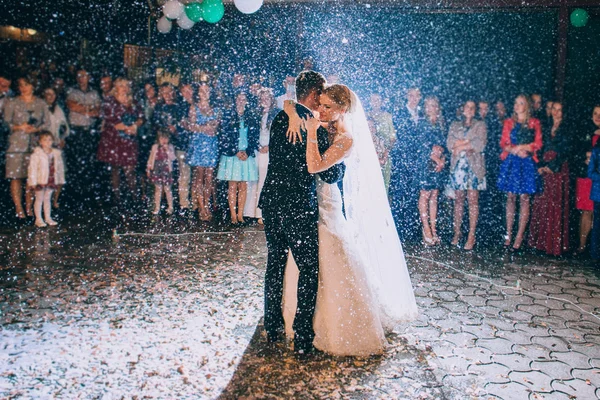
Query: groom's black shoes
(304, 350)
(275, 337)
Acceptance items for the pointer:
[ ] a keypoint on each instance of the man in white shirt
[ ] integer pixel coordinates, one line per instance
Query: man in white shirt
(289, 84)
(82, 143)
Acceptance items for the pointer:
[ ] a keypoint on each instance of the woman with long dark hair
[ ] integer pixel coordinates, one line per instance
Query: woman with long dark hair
(549, 228)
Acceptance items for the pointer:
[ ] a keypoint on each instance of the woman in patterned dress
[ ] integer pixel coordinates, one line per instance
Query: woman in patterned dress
(466, 141)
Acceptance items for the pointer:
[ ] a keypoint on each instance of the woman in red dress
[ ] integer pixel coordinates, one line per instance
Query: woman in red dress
(584, 188)
(118, 146)
(549, 227)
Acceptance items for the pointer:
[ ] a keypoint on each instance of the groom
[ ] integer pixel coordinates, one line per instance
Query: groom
(290, 212)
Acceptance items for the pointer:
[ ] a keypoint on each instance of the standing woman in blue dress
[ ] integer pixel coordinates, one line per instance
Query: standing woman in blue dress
(203, 150)
(239, 142)
(520, 142)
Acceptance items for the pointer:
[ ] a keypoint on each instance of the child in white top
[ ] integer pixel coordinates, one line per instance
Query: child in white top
(46, 172)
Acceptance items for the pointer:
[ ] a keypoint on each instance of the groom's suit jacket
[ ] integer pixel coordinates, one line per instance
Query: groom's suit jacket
(289, 187)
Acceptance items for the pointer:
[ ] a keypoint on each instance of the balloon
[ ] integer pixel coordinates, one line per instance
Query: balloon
(173, 9)
(212, 10)
(194, 11)
(164, 25)
(579, 17)
(248, 6)
(184, 22)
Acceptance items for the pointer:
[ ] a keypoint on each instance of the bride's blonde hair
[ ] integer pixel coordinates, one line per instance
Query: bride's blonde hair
(340, 94)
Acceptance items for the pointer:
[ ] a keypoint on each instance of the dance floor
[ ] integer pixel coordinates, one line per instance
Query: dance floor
(166, 312)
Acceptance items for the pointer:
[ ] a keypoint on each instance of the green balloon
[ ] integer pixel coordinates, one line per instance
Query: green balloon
(213, 10)
(579, 17)
(194, 11)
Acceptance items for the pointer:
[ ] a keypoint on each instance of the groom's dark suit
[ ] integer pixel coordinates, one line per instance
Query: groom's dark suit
(289, 205)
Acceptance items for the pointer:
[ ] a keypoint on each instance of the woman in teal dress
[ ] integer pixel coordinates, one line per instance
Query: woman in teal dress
(239, 141)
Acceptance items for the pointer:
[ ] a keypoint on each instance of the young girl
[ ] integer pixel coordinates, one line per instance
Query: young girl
(46, 172)
(160, 170)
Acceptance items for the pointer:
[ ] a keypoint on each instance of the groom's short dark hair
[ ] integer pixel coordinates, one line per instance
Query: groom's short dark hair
(308, 81)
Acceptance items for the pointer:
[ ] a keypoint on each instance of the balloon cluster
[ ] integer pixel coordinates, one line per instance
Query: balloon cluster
(211, 11)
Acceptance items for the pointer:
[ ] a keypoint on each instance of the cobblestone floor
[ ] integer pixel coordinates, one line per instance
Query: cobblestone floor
(88, 315)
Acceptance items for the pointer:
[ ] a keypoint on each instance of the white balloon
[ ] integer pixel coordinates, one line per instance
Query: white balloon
(184, 22)
(164, 25)
(248, 6)
(173, 9)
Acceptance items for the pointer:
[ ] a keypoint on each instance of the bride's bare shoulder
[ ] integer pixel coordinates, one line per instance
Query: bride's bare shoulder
(343, 140)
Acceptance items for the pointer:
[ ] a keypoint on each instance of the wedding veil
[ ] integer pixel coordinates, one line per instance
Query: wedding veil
(368, 212)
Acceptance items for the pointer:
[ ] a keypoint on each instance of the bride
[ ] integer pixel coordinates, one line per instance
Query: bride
(364, 286)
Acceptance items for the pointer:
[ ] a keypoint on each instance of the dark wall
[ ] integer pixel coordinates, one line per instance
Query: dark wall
(582, 89)
(454, 56)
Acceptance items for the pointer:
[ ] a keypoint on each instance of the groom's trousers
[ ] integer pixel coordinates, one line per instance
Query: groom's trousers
(300, 235)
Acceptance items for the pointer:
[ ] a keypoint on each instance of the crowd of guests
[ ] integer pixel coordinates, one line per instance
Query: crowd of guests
(532, 158)
(182, 135)
(196, 135)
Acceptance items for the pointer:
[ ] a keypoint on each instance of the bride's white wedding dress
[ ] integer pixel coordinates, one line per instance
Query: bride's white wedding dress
(364, 285)
(346, 318)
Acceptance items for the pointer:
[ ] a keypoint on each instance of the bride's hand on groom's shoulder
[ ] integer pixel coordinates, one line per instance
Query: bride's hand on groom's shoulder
(295, 125)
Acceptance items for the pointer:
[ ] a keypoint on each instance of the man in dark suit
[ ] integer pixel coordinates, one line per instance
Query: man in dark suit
(404, 193)
(290, 212)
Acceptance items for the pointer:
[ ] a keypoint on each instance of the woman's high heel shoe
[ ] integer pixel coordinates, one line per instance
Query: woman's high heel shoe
(470, 245)
(517, 248)
(455, 240)
(428, 241)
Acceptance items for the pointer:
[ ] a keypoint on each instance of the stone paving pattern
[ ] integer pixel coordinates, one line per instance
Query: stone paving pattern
(492, 325)
(528, 328)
